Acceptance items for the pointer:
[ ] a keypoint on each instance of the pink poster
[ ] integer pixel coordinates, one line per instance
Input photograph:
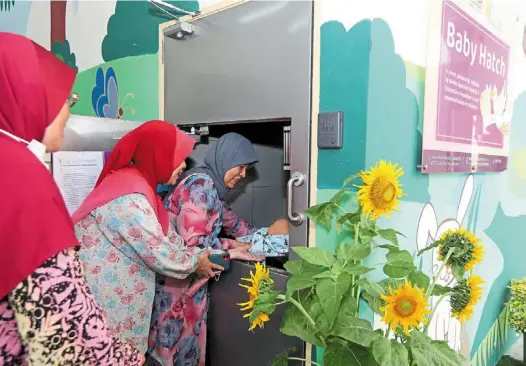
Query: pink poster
(466, 128)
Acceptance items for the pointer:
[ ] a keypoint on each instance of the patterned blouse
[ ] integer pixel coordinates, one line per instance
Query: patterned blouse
(51, 318)
(123, 247)
(199, 215)
(178, 335)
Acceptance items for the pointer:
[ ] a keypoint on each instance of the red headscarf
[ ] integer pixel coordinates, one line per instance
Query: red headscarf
(142, 159)
(34, 221)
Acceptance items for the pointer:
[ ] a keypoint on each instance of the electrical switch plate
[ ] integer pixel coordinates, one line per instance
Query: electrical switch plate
(330, 130)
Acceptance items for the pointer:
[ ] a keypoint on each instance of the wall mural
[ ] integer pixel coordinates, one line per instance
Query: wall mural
(443, 327)
(492, 205)
(134, 28)
(62, 51)
(105, 95)
(6, 5)
(382, 97)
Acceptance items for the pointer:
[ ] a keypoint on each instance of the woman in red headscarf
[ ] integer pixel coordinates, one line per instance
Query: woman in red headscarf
(48, 315)
(124, 229)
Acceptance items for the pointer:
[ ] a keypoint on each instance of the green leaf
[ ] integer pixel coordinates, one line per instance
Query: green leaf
(324, 274)
(300, 282)
(390, 282)
(399, 264)
(350, 179)
(330, 294)
(389, 235)
(348, 308)
(429, 247)
(367, 234)
(452, 355)
(458, 271)
(371, 287)
(316, 256)
(389, 353)
(419, 279)
(374, 303)
(427, 352)
(337, 355)
(337, 268)
(389, 247)
(295, 324)
(397, 269)
(352, 252)
(349, 219)
(337, 198)
(357, 269)
(300, 267)
(356, 330)
(399, 256)
(321, 214)
(283, 357)
(439, 290)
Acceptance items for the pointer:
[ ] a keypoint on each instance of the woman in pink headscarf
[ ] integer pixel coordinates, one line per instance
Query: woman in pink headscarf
(48, 315)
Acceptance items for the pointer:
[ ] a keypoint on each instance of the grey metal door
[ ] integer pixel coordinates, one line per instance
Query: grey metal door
(248, 63)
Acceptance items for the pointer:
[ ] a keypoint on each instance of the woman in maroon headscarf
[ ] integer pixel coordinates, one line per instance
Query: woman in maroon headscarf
(48, 316)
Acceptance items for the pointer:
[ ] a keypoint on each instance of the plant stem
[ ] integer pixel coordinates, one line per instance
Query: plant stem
(353, 279)
(302, 309)
(433, 312)
(388, 331)
(304, 360)
(435, 278)
(341, 208)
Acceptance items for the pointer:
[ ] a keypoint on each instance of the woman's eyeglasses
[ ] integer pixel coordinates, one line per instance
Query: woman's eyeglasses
(73, 99)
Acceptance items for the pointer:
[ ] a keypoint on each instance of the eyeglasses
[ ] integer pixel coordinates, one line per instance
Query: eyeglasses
(73, 99)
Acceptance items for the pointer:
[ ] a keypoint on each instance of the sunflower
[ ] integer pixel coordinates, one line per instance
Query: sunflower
(407, 306)
(467, 243)
(381, 190)
(259, 283)
(464, 297)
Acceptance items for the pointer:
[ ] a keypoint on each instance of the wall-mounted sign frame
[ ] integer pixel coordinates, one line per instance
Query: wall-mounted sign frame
(466, 113)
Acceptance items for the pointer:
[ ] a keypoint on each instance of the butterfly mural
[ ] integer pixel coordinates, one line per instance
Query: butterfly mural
(105, 97)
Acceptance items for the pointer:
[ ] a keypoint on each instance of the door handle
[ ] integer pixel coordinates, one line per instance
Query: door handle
(296, 180)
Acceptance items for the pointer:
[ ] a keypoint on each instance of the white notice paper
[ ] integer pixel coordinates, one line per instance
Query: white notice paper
(76, 174)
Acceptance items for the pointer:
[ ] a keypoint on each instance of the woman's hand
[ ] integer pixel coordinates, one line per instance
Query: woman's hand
(279, 227)
(205, 268)
(242, 253)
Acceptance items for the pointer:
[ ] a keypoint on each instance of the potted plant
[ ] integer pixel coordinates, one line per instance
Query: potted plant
(324, 290)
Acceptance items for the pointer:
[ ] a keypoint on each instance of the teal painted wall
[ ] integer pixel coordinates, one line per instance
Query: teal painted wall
(382, 98)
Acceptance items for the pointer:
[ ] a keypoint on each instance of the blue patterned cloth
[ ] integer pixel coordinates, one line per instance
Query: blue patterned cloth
(267, 245)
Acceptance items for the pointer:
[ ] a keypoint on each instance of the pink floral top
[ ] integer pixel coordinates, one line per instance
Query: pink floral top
(123, 247)
(199, 215)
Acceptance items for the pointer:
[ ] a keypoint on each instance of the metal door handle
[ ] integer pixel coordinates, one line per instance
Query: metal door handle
(296, 180)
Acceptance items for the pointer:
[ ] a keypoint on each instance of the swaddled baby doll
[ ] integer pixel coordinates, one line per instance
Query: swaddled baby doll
(269, 242)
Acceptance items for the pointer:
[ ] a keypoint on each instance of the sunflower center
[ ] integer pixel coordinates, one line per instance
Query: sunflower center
(405, 306)
(382, 192)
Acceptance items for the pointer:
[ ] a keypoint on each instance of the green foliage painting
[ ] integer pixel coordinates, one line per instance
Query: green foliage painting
(63, 52)
(6, 5)
(133, 29)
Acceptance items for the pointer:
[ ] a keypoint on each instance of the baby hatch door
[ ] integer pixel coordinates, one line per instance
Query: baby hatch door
(246, 62)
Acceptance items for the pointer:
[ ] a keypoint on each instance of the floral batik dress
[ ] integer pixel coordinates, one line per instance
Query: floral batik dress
(123, 247)
(178, 335)
(51, 318)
